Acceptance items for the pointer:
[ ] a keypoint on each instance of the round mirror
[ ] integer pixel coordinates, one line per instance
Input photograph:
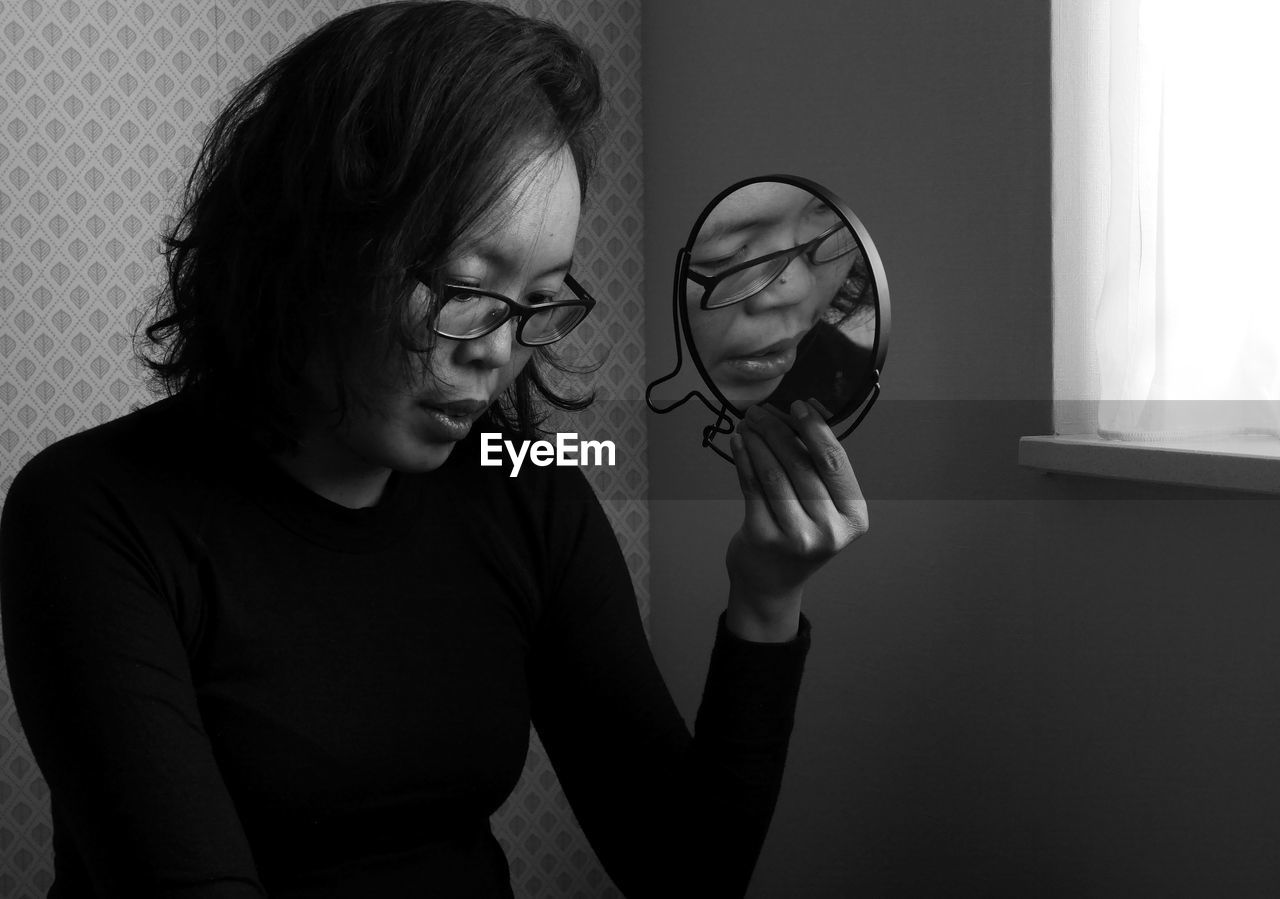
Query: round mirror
(780, 296)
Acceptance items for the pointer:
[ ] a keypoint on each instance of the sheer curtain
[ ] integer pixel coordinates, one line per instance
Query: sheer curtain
(1166, 219)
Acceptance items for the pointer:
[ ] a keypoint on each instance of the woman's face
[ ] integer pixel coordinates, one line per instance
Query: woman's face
(748, 347)
(524, 248)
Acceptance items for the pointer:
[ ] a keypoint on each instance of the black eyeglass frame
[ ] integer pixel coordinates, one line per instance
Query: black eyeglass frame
(708, 283)
(522, 311)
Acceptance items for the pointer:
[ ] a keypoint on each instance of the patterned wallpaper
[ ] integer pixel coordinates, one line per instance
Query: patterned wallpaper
(102, 105)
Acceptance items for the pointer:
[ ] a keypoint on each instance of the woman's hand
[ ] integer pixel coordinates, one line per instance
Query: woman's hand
(803, 505)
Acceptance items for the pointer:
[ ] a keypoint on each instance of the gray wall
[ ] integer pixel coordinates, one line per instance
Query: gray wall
(1020, 684)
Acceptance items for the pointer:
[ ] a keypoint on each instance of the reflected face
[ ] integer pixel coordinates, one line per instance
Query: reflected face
(748, 347)
(523, 251)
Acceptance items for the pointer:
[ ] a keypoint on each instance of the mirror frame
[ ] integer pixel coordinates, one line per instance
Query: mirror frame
(724, 410)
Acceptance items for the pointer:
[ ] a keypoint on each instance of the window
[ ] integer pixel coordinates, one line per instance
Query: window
(1166, 197)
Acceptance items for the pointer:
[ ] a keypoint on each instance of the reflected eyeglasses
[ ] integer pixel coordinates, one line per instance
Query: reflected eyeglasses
(746, 279)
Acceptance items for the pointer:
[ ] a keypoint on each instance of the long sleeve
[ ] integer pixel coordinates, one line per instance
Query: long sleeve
(102, 685)
(667, 813)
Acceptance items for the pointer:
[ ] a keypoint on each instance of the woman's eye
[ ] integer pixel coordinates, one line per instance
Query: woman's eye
(714, 265)
(822, 211)
(459, 294)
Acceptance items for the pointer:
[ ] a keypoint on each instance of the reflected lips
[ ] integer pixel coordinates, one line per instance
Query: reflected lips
(771, 362)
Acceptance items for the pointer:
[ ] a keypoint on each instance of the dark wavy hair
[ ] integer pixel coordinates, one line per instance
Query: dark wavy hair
(367, 149)
(855, 297)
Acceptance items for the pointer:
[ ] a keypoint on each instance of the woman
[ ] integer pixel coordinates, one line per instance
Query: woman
(279, 633)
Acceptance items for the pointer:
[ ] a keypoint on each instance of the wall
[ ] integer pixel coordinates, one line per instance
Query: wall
(1020, 684)
(102, 105)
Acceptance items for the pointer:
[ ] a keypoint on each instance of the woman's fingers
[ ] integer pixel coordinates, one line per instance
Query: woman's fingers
(822, 410)
(844, 517)
(803, 504)
(759, 519)
(831, 462)
(799, 479)
(772, 476)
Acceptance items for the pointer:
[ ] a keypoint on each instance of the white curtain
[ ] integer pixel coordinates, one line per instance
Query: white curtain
(1167, 219)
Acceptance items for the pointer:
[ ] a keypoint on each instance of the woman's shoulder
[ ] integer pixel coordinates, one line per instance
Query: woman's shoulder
(101, 446)
(129, 461)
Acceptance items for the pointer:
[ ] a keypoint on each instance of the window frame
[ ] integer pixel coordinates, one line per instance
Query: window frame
(1238, 463)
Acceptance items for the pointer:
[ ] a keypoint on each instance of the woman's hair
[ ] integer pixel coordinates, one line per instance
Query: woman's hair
(855, 297)
(367, 149)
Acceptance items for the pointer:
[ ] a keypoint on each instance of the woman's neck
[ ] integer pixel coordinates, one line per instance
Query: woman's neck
(335, 474)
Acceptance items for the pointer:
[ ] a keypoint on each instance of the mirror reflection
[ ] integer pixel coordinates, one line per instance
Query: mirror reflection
(779, 300)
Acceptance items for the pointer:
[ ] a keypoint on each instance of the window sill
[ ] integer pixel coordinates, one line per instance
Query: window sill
(1242, 463)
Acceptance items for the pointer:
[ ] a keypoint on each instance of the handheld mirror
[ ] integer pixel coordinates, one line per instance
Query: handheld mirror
(779, 295)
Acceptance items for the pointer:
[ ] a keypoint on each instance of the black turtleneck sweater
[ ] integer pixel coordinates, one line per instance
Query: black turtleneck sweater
(236, 688)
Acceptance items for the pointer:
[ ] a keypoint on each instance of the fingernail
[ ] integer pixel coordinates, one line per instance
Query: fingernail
(735, 442)
(799, 410)
(754, 412)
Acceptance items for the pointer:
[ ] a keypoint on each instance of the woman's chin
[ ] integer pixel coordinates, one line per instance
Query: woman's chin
(430, 457)
(414, 455)
(744, 395)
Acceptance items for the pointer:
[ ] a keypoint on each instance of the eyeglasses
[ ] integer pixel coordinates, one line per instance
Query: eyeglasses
(467, 312)
(749, 278)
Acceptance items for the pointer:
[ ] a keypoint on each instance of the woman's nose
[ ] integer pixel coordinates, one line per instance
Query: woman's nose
(792, 286)
(493, 350)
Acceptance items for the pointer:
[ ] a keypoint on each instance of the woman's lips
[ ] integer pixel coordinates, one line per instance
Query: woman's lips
(459, 408)
(761, 367)
(451, 421)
